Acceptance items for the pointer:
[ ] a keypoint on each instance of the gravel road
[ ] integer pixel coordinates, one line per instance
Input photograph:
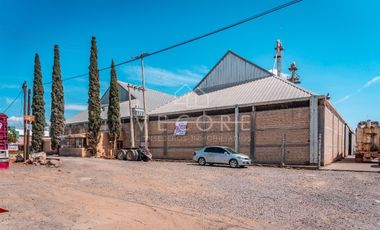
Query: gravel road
(104, 194)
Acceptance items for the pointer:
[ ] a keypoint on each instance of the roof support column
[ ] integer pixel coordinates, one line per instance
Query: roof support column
(236, 128)
(253, 133)
(314, 130)
(165, 133)
(204, 132)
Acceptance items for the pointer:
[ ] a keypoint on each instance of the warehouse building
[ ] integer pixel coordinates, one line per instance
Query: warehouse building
(242, 105)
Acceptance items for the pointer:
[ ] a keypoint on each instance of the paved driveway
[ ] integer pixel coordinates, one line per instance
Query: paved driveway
(349, 164)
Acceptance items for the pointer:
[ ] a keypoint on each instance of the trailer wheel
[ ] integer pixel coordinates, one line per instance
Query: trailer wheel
(120, 154)
(132, 155)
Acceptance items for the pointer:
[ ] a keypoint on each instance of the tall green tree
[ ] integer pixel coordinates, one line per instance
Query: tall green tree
(113, 115)
(94, 109)
(57, 118)
(12, 135)
(38, 107)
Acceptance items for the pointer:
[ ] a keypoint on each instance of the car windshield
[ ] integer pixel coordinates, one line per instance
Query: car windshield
(231, 151)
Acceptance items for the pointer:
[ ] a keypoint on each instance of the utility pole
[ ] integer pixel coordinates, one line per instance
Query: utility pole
(144, 100)
(28, 127)
(24, 88)
(131, 125)
(279, 48)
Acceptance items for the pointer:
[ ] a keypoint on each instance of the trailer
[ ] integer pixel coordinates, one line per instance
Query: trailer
(4, 155)
(368, 141)
(134, 154)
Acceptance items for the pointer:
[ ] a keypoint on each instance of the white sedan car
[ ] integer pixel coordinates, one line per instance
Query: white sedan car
(221, 155)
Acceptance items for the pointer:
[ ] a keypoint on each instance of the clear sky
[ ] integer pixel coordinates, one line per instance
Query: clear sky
(335, 44)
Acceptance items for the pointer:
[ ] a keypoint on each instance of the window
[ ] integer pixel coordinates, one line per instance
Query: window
(214, 150)
(209, 150)
(119, 144)
(220, 150)
(74, 143)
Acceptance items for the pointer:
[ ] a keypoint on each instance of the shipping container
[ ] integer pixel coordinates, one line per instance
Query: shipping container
(4, 157)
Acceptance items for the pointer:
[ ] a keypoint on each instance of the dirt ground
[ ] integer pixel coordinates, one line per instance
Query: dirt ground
(111, 194)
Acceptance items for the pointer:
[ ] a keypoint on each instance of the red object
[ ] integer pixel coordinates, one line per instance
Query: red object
(4, 165)
(4, 158)
(3, 132)
(3, 210)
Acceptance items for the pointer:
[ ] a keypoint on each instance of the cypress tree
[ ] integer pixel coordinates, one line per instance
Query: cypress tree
(94, 109)
(38, 107)
(113, 116)
(57, 118)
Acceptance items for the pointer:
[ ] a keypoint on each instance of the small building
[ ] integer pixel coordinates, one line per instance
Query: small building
(19, 145)
(243, 106)
(76, 126)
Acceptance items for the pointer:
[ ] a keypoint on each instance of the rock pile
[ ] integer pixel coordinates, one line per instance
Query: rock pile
(41, 159)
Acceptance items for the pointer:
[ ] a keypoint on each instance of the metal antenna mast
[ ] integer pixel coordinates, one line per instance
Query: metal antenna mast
(294, 78)
(277, 58)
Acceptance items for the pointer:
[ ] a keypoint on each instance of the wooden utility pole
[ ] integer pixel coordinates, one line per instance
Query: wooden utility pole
(24, 88)
(131, 125)
(28, 127)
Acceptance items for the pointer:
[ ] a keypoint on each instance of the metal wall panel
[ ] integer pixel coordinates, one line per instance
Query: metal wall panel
(232, 70)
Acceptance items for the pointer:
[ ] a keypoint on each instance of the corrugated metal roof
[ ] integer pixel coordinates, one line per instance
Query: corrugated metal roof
(264, 90)
(154, 100)
(258, 87)
(230, 70)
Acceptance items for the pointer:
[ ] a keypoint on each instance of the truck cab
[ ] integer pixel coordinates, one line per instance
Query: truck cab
(4, 155)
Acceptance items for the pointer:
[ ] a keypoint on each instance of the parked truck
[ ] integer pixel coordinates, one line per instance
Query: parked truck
(368, 141)
(4, 157)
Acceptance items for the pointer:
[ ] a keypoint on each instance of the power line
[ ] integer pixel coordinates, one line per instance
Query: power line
(14, 100)
(143, 55)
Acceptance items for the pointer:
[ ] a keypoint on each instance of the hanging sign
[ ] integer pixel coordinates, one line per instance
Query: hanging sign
(180, 128)
(29, 118)
(137, 112)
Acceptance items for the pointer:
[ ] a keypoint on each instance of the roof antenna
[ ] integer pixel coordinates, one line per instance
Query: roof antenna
(294, 78)
(277, 57)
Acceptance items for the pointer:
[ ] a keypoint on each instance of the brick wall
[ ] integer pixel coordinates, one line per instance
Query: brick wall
(283, 136)
(334, 136)
(216, 129)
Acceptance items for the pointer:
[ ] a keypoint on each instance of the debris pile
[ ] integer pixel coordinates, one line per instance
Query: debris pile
(41, 159)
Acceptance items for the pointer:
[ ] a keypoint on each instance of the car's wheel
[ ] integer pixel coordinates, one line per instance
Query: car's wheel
(202, 161)
(234, 163)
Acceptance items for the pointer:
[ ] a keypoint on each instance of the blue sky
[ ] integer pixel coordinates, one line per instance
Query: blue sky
(335, 45)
